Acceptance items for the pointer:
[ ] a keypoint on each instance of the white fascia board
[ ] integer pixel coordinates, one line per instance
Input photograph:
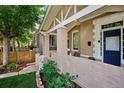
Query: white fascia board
(76, 16)
(40, 32)
(45, 16)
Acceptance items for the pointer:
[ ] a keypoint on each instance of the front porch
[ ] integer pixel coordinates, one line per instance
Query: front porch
(81, 34)
(91, 74)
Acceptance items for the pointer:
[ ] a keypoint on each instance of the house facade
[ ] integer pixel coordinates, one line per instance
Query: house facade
(72, 35)
(92, 31)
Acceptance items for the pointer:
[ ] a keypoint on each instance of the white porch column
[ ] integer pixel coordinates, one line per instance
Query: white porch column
(61, 46)
(46, 45)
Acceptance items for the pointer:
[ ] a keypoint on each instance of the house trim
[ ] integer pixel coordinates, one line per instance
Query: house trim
(104, 20)
(75, 31)
(76, 16)
(48, 9)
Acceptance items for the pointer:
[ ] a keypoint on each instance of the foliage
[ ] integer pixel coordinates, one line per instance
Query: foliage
(50, 70)
(18, 62)
(12, 66)
(25, 39)
(32, 46)
(61, 82)
(17, 22)
(69, 77)
(54, 79)
(20, 81)
(92, 58)
(2, 69)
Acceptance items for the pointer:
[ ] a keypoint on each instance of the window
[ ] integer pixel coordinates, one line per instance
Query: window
(112, 43)
(101, 43)
(68, 43)
(119, 23)
(52, 42)
(75, 40)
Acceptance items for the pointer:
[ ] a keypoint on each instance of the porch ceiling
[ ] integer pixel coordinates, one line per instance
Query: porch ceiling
(50, 15)
(54, 12)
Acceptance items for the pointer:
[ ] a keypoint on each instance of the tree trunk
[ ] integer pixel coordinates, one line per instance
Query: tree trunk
(18, 44)
(13, 45)
(5, 50)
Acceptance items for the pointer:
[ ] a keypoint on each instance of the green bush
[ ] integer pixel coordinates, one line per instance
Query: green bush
(18, 62)
(92, 58)
(52, 77)
(12, 66)
(2, 69)
(50, 69)
(60, 82)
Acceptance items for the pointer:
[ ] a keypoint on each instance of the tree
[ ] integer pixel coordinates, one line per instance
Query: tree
(25, 40)
(15, 21)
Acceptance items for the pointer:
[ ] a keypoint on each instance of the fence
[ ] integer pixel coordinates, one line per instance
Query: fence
(23, 56)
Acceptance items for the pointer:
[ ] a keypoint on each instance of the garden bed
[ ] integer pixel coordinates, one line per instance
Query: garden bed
(13, 67)
(45, 85)
(50, 77)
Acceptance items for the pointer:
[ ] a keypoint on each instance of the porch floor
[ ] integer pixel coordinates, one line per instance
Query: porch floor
(92, 74)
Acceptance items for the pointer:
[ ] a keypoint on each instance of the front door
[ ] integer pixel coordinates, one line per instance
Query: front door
(112, 47)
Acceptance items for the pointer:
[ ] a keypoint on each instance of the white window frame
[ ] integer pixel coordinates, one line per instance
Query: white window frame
(104, 20)
(76, 31)
(53, 41)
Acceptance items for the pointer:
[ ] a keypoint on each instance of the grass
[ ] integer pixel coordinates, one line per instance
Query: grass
(20, 81)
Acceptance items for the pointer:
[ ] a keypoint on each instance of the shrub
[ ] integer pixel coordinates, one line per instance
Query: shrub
(92, 58)
(60, 82)
(12, 66)
(2, 69)
(52, 77)
(50, 69)
(69, 77)
(18, 62)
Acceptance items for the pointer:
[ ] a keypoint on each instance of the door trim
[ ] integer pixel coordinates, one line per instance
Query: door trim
(121, 45)
(110, 53)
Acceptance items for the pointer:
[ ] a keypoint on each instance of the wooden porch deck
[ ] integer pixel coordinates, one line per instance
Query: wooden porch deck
(92, 74)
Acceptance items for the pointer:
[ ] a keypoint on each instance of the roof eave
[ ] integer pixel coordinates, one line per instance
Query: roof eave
(41, 25)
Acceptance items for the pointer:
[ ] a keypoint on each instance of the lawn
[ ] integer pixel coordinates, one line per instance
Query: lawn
(20, 81)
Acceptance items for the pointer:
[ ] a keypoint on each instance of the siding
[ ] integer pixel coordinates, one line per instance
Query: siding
(86, 34)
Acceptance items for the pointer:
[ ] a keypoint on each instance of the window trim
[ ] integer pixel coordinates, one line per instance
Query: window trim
(54, 46)
(76, 31)
(53, 41)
